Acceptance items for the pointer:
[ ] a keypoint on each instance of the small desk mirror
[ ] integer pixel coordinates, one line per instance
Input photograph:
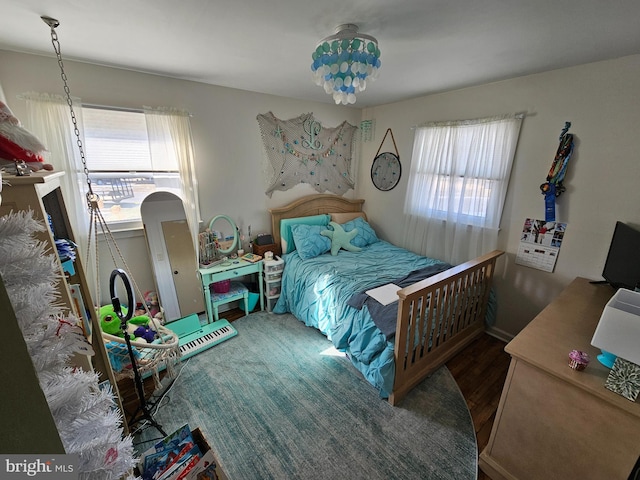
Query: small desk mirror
(226, 232)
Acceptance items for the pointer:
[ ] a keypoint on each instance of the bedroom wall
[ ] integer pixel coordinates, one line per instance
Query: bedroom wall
(600, 99)
(602, 102)
(225, 131)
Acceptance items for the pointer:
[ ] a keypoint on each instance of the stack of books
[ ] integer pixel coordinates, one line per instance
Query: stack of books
(182, 455)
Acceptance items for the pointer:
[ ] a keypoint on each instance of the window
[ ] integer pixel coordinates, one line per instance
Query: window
(124, 167)
(460, 170)
(457, 186)
(467, 197)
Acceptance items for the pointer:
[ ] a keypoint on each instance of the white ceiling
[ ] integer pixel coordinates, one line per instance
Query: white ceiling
(265, 46)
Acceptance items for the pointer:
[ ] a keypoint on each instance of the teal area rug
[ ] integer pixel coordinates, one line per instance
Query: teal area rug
(278, 402)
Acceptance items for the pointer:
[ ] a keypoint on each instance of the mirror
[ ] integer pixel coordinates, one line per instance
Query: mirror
(227, 241)
(173, 259)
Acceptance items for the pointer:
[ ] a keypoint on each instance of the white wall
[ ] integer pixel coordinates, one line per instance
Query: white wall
(602, 100)
(225, 130)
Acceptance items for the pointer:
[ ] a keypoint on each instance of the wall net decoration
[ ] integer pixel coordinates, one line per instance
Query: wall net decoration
(301, 150)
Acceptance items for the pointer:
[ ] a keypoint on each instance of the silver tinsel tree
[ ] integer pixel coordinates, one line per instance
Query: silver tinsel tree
(86, 415)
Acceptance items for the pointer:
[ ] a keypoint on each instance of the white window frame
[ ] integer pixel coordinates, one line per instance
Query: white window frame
(116, 185)
(452, 150)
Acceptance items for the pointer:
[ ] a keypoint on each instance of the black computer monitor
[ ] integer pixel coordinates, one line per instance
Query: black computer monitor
(622, 268)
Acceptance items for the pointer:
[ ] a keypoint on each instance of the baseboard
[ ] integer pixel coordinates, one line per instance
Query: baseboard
(500, 334)
(492, 469)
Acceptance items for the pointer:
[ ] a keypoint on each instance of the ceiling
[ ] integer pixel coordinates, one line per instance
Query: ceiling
(427, 46)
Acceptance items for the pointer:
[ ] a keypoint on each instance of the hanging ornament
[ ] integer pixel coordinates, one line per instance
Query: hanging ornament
(554, 187)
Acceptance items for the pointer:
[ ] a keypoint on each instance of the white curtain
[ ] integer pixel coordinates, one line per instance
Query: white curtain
(49, 119)
(457, 186)
(170, 136)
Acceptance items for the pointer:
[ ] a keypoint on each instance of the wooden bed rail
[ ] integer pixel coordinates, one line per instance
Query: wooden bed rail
(437, 317)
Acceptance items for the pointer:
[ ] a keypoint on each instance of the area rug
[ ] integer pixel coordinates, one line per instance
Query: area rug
(278, 402)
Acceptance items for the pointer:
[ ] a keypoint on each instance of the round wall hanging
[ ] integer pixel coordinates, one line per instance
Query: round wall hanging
(386, 169)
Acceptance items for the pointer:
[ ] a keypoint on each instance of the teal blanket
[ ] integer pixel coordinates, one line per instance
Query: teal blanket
(317, 292)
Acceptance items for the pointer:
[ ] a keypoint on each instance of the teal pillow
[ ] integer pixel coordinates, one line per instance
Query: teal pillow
(287, 242)
(366, 234)
(308, 241)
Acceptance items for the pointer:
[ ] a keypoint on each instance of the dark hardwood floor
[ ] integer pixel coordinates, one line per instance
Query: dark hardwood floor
(480, 370)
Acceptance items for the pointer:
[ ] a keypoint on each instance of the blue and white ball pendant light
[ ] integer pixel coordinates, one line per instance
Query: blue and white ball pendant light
(343, 62)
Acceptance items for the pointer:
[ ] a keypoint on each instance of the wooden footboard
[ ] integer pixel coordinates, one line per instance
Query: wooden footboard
(438, 317)
(451, 306)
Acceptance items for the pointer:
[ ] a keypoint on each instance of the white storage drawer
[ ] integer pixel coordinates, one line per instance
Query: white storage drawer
(271, 303)
(272, 289)
(274, 266)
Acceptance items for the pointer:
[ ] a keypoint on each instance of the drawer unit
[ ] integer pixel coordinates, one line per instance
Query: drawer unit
(272, 275)
(271, 303)
(273, 289)
(273, 268)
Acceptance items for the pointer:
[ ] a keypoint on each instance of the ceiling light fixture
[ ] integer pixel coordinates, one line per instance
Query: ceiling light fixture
(343, 62)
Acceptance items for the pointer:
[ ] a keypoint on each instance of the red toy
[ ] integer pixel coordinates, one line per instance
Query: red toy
(19, 145)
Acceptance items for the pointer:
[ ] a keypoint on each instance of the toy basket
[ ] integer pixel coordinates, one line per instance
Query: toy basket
(150, 358)
(221, 286)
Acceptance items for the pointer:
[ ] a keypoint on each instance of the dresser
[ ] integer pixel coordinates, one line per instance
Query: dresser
(553, 422)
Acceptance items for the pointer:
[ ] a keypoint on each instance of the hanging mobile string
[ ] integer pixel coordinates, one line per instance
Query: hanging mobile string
(53, 23)
(92, 198)
(166, 351)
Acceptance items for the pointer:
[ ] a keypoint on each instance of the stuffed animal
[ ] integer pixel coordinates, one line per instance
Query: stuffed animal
(145, 333)
(151, 299)
(110, 323)
(18, 144)
(340, 239)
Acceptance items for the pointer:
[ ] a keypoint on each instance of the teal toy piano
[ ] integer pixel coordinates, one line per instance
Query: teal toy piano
(194, 338)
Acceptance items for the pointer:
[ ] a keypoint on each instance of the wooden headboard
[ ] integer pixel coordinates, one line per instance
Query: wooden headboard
(312, 205)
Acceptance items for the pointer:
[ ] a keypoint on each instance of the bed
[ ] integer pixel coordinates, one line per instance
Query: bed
(439, 310)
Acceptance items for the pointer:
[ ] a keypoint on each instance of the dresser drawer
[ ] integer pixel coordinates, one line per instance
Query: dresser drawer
(240, 271)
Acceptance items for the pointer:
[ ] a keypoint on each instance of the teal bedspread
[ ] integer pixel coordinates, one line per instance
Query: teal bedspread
(316, 291)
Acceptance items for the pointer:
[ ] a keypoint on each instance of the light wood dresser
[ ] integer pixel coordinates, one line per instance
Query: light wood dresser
(554, 422)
